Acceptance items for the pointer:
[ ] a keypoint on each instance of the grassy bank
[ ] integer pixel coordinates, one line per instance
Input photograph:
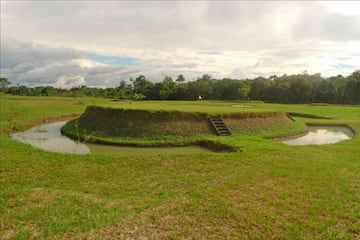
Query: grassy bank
(268, 191)
(142, 127)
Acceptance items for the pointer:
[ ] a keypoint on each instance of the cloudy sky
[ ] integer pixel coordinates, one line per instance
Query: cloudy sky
(100, 43)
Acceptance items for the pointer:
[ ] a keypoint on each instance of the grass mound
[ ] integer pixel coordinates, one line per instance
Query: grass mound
(111, 122)
(137, 127)
(251, 122)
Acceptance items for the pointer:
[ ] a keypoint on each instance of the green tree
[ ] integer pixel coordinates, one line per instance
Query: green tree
(48, 91)
(200, 87)
(180, 79)
(167, 88)
(141, 85)
(4, 83)
(244, 90)
(259, 89)
(20, 90)
(226, 89)
(352, 88)
(139, 96)
(205, 77)
(325, 92)
(301, 87)
(180, 91)
(339, 83)
(124, 90)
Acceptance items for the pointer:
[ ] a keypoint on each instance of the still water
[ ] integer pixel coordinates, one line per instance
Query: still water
(319, 135)
(48, 137)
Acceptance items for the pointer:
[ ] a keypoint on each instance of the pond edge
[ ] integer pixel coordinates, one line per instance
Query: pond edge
(309, 124)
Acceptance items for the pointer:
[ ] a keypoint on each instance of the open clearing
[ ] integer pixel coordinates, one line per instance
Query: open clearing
(268, 191)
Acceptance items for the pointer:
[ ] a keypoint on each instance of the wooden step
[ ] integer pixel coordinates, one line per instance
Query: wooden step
(218, 124)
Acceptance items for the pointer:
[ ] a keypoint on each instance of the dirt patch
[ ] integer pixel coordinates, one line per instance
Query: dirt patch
(305, 115)
(248, 125)
(106, 122)
(155, 223)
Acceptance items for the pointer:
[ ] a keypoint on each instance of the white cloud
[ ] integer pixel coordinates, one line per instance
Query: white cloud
(86, 63)
(69, 81)
(226, 39)
(342, 7)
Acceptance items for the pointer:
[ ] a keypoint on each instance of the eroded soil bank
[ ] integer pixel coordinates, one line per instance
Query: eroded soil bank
(110, 122)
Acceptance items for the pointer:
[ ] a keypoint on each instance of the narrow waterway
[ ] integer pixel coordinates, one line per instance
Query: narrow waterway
(48, 137)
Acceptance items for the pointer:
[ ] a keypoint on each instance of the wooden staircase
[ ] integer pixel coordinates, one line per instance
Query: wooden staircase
(219, 125)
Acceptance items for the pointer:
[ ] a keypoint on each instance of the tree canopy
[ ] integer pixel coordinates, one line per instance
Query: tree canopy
(297, 88)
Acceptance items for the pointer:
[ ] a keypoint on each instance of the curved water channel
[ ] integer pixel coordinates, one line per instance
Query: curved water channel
(48, 137)
(319, 135)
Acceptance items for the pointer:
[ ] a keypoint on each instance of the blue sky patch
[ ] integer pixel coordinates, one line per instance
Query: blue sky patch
(113, 60)
(343, 66)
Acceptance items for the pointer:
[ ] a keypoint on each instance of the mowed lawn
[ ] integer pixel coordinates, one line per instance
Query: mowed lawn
(268, 191)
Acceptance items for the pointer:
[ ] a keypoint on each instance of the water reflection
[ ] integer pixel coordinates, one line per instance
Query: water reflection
(319, 135)
(48, 137)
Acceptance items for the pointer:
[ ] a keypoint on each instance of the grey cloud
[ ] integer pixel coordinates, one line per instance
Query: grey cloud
(275, 32)
(291, 52)
(103, 69)
(210, 52)
(22, 67)
(108, 76)
(162, 25)
(209, 26)
(268, 62)
(19, 54)
(323, 26)
(46, 75)
(29, 64)
(184, 65)
(41, 9)
(239, 73)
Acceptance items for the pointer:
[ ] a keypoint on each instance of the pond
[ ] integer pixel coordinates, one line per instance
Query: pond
(48, 137)
(319, 135)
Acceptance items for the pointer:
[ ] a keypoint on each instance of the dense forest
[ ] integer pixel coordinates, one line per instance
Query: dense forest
(299, 88)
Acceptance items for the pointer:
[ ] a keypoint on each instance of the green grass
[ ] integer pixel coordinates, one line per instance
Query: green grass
(215, 107)
(268, 191)
(142, 127)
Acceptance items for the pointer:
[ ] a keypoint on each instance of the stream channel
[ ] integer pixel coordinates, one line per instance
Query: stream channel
(48, 137)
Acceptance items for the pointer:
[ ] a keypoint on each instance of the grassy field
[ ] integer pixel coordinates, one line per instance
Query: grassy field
(268, 191)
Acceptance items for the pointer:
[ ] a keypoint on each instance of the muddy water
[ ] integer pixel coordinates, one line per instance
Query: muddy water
(48, 137)
(319, 135)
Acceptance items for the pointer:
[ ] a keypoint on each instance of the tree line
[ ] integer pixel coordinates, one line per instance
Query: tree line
(297, 88)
